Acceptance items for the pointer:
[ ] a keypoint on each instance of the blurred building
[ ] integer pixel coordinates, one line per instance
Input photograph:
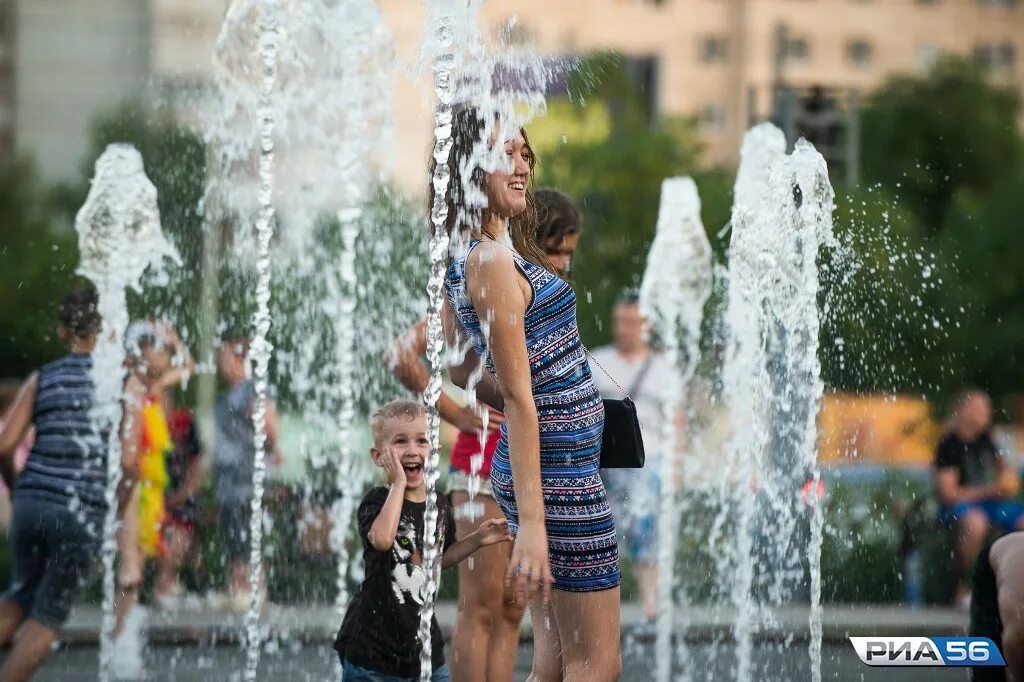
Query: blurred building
(721, 62)
(73, 59)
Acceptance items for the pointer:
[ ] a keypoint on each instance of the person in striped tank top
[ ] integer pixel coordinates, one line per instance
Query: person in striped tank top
(521, 319)
(59, 497)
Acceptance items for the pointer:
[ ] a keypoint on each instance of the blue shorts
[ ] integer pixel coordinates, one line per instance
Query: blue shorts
(353, 673)
(635, 499)
(54, 555)
(1004, 514)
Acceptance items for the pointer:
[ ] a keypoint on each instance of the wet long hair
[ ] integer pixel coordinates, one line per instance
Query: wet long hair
(466, 215)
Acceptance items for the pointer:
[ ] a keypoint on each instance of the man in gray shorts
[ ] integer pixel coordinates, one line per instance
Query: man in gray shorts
(634, 494)
(234, 463)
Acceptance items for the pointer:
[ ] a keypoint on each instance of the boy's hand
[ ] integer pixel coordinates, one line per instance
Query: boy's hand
(392, 464)
(493, 531)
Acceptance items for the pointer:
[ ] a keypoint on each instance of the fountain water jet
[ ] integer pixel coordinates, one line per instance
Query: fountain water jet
(442, 19)
(772, 384)
(763, 146)
(119, 239)
(677, 283)
(261, 345)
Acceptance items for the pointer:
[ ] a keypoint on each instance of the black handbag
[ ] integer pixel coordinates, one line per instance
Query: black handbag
(622, 444)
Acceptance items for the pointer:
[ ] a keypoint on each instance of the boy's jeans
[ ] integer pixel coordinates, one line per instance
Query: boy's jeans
(353, 673)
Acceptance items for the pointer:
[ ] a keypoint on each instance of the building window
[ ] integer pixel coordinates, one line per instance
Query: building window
(925, 56)
(797, 50)
(995, 56)
(714, 50)
(997, 3)
(712, 117)
(859, 53)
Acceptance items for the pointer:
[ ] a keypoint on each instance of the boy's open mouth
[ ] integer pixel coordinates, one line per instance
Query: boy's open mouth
(412, 467)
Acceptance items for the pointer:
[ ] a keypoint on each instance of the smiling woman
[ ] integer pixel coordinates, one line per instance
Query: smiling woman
(521, 319)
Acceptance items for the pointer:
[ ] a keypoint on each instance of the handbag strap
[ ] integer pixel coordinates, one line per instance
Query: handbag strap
(642, 374)
(643, 371)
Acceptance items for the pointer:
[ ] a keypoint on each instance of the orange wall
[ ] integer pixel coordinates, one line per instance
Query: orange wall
(879, 429)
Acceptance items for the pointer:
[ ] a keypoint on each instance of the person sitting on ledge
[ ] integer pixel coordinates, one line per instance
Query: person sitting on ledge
(973, 483)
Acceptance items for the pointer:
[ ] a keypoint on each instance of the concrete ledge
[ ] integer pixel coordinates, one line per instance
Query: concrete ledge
(206, 626)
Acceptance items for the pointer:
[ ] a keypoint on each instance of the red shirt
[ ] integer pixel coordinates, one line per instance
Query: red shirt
(468, 444)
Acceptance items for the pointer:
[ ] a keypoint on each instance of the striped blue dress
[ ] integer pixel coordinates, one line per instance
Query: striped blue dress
(581, 533)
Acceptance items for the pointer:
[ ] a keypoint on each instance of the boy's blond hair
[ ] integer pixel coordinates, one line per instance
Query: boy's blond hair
(410, 409)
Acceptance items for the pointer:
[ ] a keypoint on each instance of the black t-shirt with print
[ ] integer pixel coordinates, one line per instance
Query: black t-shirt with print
(977, 461)
(381, 627)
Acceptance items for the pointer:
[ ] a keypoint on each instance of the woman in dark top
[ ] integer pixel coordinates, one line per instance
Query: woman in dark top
(59, 498)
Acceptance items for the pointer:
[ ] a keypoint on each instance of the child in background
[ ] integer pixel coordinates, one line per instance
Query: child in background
(150, 347)
(378, 639)
(234, 463)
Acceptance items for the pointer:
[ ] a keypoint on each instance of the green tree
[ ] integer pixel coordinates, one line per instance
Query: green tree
(616, 183)
(37, 265)
(885, 307)
(983, 242)
(926, 137)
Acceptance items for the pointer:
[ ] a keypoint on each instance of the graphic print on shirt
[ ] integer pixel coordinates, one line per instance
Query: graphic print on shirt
(408, 576)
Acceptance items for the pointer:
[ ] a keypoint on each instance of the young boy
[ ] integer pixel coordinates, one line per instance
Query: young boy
(378, 639)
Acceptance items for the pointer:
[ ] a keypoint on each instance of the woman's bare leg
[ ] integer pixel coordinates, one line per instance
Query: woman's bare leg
(486, 637)
(548, 663)
(588, 629)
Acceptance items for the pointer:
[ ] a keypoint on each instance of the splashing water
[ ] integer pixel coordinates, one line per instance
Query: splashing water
(763, 146)
(119, 238)
(506, 87)
(442, 24)
(474, 510)
(772, 383)
(814, 217)
(261, 346)
(677, 283)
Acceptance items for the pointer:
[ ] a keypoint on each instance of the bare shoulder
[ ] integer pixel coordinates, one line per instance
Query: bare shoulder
(491, 275)
(490, 258)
